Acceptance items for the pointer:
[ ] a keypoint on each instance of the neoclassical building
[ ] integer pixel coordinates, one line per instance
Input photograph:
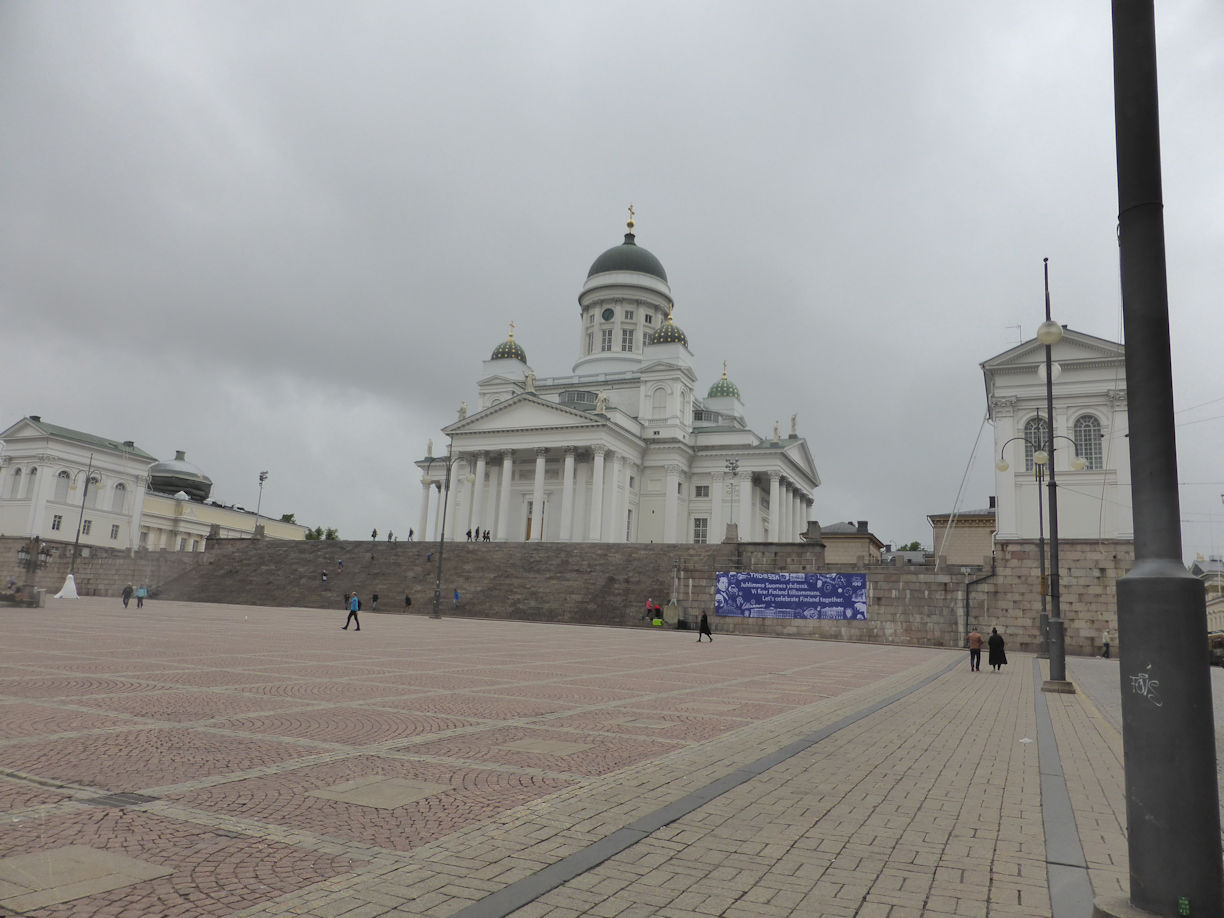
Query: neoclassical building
(1090, 422)
(131, 502)
(623, 448)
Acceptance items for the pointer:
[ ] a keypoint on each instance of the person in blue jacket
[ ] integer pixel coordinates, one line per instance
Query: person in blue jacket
(354, 606)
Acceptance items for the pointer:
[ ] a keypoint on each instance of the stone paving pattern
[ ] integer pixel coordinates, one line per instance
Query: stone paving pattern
(532, 742)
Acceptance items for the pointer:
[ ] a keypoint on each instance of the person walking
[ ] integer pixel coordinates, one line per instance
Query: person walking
(1105, 641)
(374, 603)
(141, 592)
(354, 606)
(323, 575)
(127, 595)
(703, 628)
(997, 656)
(456, 598)
(975, 651)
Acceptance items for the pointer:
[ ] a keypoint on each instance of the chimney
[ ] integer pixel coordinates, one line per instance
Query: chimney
(992, 502)
(129, 443)
(36, 417)
(862, 526)
(180, 455)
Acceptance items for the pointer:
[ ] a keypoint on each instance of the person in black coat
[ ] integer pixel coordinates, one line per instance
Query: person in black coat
(704, 628)
(997, 656)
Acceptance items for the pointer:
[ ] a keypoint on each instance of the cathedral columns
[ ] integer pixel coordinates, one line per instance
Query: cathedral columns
(671, 503)
(798, 524)
(478, 492)
(438, 509)
(567, 496)
(503, 508)
(717, 530)
(597, 489)
(423, 519)
(775, 506)
(747, 523)
(537, 495)
(620, 499)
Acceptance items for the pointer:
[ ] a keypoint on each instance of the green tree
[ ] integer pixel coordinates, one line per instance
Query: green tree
(912, 546)
(331, 535)
(288, 518)
(315, 534)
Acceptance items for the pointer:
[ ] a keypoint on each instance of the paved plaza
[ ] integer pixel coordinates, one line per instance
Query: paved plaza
(191, 759)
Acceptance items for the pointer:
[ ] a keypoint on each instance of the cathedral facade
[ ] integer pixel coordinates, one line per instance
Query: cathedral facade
(624, 448)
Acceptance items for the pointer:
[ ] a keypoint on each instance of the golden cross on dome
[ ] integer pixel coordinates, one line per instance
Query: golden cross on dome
(724, 369)
(512, 330)
(630, 224)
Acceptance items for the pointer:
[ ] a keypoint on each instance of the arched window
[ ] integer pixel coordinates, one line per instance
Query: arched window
(62, 480)
(31, 481)
(118, 498)
(15, 488)
(1036, 431)
(1088, 440)
(95, 485)
(658, 402)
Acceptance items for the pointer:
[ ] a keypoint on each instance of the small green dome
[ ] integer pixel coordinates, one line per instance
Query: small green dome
(670, 333)
(510, 349)
(724, 388)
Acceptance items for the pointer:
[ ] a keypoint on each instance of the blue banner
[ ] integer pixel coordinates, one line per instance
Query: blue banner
(830, 597)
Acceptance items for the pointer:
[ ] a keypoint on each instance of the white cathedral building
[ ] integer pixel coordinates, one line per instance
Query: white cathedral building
(623, 448)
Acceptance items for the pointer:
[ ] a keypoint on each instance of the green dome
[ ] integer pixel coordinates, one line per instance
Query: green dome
(509, 349)
(724, 388)
(670, 333)
(628, 256)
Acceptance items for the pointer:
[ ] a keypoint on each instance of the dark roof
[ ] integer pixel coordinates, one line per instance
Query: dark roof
(88, 439)
(628, 256)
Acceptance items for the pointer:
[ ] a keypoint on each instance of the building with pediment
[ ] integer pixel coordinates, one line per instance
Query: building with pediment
(1090, 422)
(624, 448)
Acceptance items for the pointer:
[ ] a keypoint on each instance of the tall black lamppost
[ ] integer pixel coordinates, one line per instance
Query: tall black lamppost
(1050, 333)
(263, 476)
(733, 468)
(1042, 453)
(76, 544)
(1168, 728)
(437, 596)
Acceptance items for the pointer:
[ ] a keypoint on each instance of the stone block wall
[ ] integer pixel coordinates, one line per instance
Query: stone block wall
(608, 584)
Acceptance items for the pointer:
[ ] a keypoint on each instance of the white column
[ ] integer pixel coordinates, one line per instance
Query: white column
(717, 531)
(597, 489)
(503, 507)
(478, 512)
(775, 506)
(787, 533)
(797, 523)
(671, 504)
(747, 525)
(452, 501)
(423, 519)
(537, 495)
(620, 498)
(567, 496)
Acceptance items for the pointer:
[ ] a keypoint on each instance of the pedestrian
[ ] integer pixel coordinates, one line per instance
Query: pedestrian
(704, 628)
(340, 566)
(1105, 641)
(390, 535)
(456, 597)
(127, 595)
(649, 607)
(486, 538)
(323, 576)
(469, 535)
(975, 651)
(373, 534)
(410, 534)
(141, 592)
(407, 601)
(997, 656)
(374, 603)
(354, 606)
(428, 556)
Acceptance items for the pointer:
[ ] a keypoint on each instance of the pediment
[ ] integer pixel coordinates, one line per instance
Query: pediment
(524, 412)
(23, 428)
(1074, 346)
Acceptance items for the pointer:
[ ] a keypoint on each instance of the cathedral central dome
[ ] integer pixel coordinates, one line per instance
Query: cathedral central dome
(628, 256)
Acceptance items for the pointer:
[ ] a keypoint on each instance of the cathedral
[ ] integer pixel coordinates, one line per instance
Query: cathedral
(621, 449)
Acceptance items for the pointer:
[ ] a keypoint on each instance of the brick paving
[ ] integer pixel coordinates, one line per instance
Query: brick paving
(256, 729)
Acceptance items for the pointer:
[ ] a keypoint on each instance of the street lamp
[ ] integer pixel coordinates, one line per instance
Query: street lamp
(263, 476)
(76, 544)
(450, 462)
(33, 556)
(733, 468)
(1041, 457)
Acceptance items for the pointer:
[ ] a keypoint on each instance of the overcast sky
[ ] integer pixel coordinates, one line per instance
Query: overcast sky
(285, 235)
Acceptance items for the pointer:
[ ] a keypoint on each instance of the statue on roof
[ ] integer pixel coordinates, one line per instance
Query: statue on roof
(462, 410)
(529, 379)
(794, 426)
(601, 402)
(777, 431)
(429, 448)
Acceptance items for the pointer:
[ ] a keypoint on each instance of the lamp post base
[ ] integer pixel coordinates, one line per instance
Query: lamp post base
(1043, 622)
(1058, 686)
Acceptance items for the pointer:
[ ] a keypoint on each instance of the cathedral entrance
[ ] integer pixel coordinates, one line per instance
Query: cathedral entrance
(531, 516)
